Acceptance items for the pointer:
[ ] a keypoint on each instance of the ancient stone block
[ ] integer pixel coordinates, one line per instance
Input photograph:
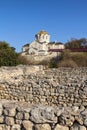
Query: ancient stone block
(59, 127)
(85, 121)
(19, 116)
(27, 125)
(42, 127)
(16, 127)
(77, 127)
(4, 127)
(10, 111)
(1, 108)
(1, 119)
(18, 121)
(9, 121)
(26, 115)
(43, 114)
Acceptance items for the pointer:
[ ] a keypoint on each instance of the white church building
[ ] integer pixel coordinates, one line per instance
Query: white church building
(41, 45)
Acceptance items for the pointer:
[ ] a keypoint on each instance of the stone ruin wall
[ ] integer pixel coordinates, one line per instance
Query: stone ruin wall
(35, 84)
(23, 116)
(40, 58)
(54, 99)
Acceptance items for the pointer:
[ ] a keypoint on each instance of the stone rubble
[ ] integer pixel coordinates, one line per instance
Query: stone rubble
(43, 99)
(61, 86)
(41, 117)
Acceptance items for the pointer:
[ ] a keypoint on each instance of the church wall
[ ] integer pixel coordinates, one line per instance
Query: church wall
(43, 38)
(55, 46)
(41, 45)
(25, 48)
(59, 46)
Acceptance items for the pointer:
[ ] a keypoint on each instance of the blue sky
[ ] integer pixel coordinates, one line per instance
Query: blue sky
(20, 20)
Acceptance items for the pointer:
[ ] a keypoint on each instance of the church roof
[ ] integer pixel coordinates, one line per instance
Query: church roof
(56, 43)
(42, 32)
(26, 45)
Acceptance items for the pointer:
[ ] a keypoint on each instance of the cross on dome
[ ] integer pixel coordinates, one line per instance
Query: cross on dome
(42, 32)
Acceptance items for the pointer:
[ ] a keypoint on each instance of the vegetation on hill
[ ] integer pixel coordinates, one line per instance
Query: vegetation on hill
(69, 59)
(73, 59)
(8, 56)
(76, 43)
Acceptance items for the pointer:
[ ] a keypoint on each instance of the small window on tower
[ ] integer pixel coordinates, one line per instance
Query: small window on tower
(43, 37)
(46, 37)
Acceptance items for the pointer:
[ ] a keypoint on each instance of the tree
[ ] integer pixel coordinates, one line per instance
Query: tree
(75, 43)
(83, 42)
(8, 56)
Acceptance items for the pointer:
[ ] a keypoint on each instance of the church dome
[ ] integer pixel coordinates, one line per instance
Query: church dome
(42, 32)
(42, 37)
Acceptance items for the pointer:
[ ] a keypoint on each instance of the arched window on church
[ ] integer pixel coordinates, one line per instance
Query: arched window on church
(46, 37)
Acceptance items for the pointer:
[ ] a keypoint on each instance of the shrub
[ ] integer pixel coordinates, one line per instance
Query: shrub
(73, 58)
(67, 63)
(8, 56)
(53, 63)
(23, 60)
(43, 62)
(65, 54)
(80, 59)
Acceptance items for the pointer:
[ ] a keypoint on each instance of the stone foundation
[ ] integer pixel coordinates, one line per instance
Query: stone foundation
(33, 98)
(61, 86)
(23, 116)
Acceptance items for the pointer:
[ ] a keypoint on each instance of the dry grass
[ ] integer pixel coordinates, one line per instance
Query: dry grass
(67, 63)
(73, 59)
